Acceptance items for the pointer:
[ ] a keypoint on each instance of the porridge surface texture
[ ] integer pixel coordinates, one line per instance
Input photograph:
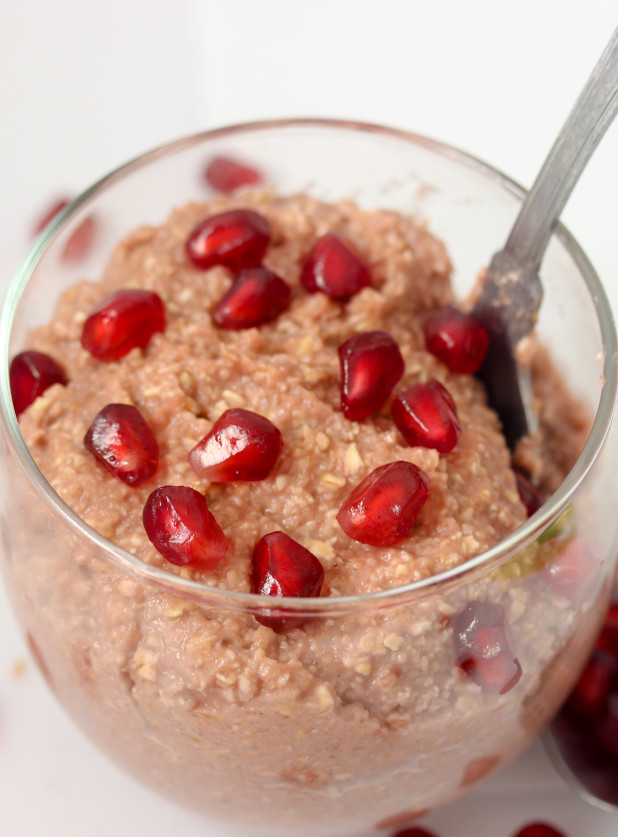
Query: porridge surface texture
(208, 699)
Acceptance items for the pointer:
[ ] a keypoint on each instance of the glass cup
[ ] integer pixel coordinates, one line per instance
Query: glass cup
(366, 716)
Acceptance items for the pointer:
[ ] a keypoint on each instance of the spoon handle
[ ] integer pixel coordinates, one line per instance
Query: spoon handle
(588, 121)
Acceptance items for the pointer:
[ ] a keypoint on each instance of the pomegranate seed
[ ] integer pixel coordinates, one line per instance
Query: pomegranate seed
(257, 296)
(595, 683)
(539, 829)
(55, 209)
(123, 321)
(236, 239)
(226, 175)
(414, 832)
(334, 268)
(241, 445)
(80, 240)
(608, 638)
(425, 415)
(382, 508)
(529, 494)
(282, 567)
(182, 528)
(607, 727)
(371, 365)
(574, 569)
(483, 649)
(121, 440)
(456, 339)
(30, 374)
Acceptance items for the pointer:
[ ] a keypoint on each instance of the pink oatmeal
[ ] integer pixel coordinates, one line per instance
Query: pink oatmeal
(217, 700)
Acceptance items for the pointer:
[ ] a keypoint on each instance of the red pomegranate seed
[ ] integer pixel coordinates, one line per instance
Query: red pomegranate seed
(607, 727)
(574, 568)
(382, 508)
(539, 829)
(426, 416)
(529, 494)
(608, 638)
(121, 439)
(55, 209)
(236, 239)
(483, 649)
(414, 832)
(80, 240)
(182, 528)
(595, 684)
(282, 567)
(241, 445)
(456, 339)
(30, 374)
(123, 321)
(371, 364)
(226, 175)
(334, 268)
(257, 296)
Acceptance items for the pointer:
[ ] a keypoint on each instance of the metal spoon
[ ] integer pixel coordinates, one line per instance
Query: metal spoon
(512, 292)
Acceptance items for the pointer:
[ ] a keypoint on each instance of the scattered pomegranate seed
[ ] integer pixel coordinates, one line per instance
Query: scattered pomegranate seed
(371, 365)
(123, 321)
(257, 296)
(182, 528)
(282, 567)
(122, 440)
(55, 209)
(532, 497)
(414, 832)
(80, 240)
(608, 638)
(236, 239)
(382, 508)
(595, 684)
(226, 175)
(425, 415)
(334, 268)
(30, 374)
(574, 568)
(483, 649)
(241, 445)
(456, 339)
(539, 829)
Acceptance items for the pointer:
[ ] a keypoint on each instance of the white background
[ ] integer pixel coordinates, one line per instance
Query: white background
(85, 86)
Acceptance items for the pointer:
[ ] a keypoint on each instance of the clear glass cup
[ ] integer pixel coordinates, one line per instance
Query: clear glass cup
(362, 719)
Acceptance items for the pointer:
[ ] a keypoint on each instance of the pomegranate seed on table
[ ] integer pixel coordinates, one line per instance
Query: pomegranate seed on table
(382, 509)
(125, 320)
(55, 209)
(483, 649)
(529, 494)
(30, 374)
(123, 442)
(283, 567)
(426, 416)
(539, 829)
(80, 240)
(241, 445)
(371, 364)
(334, 268)
(182, 528)
(235, 239)
(456, 339)
(257, 296)
(415, 831)
(226, 174)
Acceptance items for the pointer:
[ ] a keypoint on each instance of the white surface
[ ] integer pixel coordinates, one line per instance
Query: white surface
(85, 86)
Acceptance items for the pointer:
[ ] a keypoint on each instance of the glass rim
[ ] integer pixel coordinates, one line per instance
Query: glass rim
(199, 592)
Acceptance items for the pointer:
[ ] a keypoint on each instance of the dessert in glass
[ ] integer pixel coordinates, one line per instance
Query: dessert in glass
(261, 530)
